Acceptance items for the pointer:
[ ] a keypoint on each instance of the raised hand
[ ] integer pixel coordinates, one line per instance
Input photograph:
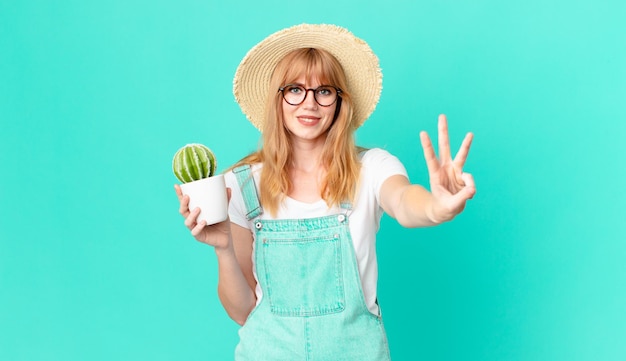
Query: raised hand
(450, 186)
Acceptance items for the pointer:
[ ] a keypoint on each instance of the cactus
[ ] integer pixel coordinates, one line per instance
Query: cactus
(194, 162)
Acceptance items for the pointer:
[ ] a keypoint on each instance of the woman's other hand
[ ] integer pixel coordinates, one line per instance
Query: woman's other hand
(450, 186)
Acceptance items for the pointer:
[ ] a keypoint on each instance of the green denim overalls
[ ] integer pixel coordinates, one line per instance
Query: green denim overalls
(313, 306)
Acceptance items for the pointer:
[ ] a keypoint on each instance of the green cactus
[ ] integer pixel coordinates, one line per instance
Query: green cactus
(194, 162)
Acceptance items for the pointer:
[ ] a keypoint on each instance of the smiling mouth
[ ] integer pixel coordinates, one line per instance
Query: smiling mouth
(308, 119)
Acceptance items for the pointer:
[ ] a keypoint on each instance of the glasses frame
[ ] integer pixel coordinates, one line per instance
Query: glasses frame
(306, 93)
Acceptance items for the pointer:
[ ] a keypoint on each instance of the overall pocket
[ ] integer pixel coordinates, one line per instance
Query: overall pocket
(304, 275)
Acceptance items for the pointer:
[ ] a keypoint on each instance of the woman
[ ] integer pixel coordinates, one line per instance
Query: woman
(297, 260)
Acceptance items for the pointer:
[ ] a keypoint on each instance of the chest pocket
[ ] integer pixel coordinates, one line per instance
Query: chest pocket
(303, 275)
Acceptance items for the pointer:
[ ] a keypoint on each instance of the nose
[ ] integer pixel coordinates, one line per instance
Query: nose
(310, 101)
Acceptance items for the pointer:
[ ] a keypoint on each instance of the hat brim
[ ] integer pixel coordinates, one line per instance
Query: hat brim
(360, 64)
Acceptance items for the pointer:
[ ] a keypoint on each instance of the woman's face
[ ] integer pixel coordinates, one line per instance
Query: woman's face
(308, 121)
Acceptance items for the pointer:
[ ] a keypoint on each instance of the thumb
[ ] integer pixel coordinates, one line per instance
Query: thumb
(470, 188)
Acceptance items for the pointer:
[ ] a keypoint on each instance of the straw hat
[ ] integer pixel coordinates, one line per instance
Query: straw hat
(363, 74)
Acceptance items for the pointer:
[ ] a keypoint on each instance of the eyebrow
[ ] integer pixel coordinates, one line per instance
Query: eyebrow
(304, 86)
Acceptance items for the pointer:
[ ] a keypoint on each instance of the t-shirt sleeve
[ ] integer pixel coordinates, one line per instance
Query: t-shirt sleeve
(379, 165)
(236, 207)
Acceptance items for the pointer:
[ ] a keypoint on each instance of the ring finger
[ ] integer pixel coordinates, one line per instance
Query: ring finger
(191, 219)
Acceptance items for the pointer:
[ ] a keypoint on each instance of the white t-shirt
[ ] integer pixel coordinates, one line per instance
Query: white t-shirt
(377, 166)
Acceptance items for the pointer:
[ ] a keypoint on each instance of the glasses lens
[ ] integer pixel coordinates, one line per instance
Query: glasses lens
(325, 95)
(295, 94)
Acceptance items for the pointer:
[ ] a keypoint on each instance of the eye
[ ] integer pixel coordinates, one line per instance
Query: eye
(294, 89)
(325, 91)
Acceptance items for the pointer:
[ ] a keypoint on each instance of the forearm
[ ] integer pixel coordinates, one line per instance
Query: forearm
(415, 208)
(237, 298)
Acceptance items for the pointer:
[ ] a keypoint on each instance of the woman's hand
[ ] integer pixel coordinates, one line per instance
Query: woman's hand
(450, 186)
(236, 281)
(217, 235)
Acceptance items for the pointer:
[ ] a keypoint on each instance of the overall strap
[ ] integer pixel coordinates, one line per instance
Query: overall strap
(248, 191)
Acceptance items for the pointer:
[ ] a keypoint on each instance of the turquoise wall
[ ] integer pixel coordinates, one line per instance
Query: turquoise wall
(96, 96)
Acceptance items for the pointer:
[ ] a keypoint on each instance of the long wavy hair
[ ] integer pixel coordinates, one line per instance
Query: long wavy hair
(340, 154)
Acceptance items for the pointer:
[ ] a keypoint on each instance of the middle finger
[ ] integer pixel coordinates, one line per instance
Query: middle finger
(444, 140)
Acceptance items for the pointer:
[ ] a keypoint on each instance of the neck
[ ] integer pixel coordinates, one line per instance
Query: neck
(306, 172)
(306, 155)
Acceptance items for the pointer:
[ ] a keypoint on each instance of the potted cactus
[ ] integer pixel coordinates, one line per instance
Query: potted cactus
(194, 165)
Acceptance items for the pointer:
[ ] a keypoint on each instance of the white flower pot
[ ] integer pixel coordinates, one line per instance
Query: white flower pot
(210, 195)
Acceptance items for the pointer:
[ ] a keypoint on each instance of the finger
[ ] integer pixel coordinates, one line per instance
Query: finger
(470, 188)
(459, 200)
(190, 221)
(195, 231)
(444, 140)
(429, 153)
(228, 194)
(184, 201)
(179, 192)
(461, 155)
(184, 206)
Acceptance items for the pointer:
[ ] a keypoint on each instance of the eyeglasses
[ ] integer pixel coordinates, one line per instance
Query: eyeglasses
(324, 95)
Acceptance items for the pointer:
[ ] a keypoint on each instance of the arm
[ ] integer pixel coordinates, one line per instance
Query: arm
(236, 282)
(409, 204)
(233, 247)
(451, 188)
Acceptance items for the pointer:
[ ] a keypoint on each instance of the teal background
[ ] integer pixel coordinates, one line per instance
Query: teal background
(96, 96)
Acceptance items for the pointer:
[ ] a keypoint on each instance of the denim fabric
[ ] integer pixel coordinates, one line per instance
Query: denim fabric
(313, 307)
(246, 182)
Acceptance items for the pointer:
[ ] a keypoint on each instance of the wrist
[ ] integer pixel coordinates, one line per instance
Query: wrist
(433, 214)
(221, 239)
(226, 249)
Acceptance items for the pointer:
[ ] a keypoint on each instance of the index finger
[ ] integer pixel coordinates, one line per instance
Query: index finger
(179, 192)
(184, 201)
(432, 163)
